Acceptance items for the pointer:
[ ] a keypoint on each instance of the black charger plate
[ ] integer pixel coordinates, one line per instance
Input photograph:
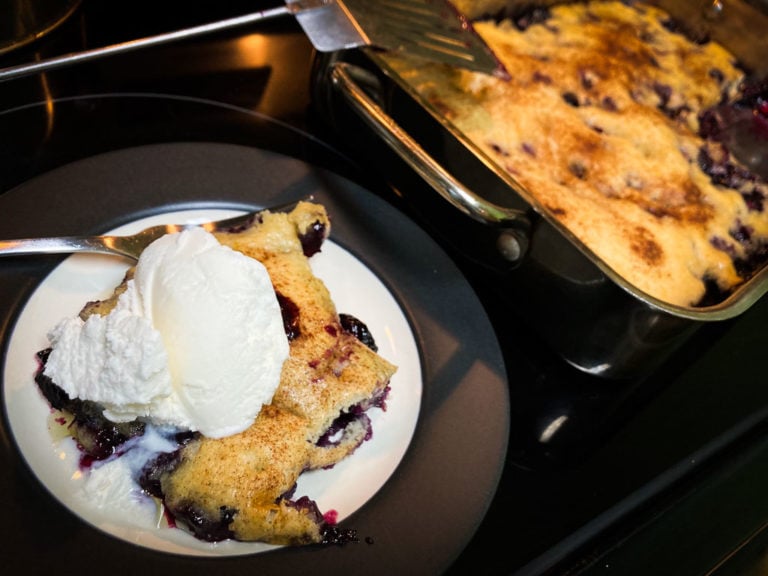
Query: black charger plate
(429, 509)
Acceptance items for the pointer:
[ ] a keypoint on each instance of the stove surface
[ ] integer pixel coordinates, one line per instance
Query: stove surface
(598, 472)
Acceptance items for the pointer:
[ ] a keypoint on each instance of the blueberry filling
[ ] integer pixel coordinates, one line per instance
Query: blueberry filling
(751, 106)
(578, 169)
(97, 437)
(755, 251)
(531, 15)
(609, 104)
(331, 533)
(587, 79)
(571, 99)
(716, 163)
(202, 526)
(290, 313)
(754, 199)
(335, 433)
(313, 238)
(216, 529)
(541, 77)
(712, 293)
(356, 414)
(150, 478)
(664, 92)
(358, 329)
(754, 260)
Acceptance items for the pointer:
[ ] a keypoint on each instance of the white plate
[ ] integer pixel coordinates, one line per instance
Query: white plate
(344, 488)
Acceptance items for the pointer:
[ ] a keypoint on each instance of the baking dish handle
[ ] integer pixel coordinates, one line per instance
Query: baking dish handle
(514, 224)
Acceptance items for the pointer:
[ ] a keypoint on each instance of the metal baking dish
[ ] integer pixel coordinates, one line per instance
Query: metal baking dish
(589, 315)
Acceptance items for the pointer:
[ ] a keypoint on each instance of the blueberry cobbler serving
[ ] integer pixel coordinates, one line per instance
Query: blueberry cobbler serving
(612, 125)
(229, 456)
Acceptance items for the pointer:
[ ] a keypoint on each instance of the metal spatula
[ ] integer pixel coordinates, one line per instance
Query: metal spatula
(432, 29)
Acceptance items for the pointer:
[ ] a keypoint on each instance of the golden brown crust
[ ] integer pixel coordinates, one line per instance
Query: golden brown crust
(104, 307)
(328, 371)
(598, 124)
(248, 472)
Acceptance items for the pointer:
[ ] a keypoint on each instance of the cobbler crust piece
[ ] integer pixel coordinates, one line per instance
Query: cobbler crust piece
(241, 486)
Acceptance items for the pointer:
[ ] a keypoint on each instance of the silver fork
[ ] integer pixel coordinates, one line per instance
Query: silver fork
(131, 245)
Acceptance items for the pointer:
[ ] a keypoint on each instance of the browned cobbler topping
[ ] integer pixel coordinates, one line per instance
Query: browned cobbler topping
(645, 247)
(604, 122)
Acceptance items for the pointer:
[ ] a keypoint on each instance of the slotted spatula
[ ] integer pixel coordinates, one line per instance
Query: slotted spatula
(431, 29)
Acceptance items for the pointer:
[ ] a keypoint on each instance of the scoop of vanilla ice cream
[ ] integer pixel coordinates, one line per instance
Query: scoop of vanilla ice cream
(195, 341)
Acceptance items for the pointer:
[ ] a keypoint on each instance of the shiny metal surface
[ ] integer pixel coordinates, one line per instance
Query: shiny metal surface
(430, 29)
(513, 224)
(426, 29)
(73, 58)
(130, 245)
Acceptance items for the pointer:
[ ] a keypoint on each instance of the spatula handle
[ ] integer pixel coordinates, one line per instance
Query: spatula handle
(87, 55)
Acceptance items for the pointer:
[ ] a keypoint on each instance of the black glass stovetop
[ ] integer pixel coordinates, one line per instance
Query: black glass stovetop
(664, 474)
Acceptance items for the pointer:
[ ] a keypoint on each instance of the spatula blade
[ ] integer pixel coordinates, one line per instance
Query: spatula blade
(431, 29)
(327, 25)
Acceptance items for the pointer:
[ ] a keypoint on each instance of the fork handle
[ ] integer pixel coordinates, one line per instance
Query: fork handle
(62, 245)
